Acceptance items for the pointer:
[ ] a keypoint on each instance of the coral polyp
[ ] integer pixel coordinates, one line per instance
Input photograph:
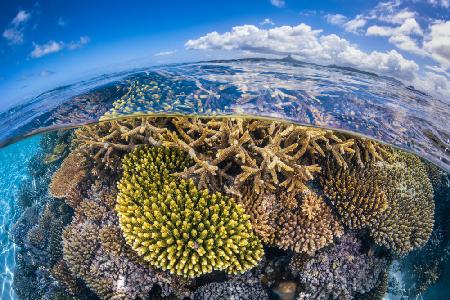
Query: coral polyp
(177, 227)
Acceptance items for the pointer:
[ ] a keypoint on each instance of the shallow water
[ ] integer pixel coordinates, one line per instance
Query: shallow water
(327, 213)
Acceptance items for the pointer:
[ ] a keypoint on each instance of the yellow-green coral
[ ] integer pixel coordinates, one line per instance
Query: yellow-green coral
(176, 226)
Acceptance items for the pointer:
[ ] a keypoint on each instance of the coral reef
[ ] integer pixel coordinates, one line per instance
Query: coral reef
(177, 227)
(357, 193)
(408, 222)
(339, 271)
(378, 292)
(95, 252)
(230, 290)
(302, 222)
(65, 181)
(392, 198)
(234, 152)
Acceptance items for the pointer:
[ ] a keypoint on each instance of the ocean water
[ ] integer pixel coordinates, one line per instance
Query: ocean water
(14, 173)
(311, 182)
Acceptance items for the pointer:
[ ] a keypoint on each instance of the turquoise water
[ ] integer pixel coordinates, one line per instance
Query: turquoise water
(13, 171)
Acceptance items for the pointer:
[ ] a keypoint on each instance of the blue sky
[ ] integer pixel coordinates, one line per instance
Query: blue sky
(47, 43)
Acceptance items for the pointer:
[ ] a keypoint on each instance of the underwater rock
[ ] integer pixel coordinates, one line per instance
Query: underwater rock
(175, 226)
(339, 271)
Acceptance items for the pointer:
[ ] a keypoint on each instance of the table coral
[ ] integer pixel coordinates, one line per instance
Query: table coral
(176, 226)
(228, 152)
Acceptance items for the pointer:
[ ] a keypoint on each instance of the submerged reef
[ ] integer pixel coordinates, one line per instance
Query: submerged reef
(235, 208)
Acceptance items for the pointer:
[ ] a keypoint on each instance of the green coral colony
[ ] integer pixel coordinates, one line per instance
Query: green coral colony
(176, 207)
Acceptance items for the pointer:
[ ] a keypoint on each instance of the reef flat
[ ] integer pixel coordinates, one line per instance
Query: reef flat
(226, 208)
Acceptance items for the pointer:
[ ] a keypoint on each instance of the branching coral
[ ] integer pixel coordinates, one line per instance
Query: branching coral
(230, 152)
(408, 222)
(357, 193)
(302, 222)
(392, 198)
(110, 276)
(340, 271)
(177, 227)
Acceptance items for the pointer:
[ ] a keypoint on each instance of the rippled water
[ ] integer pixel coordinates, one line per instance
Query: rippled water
(356, 245)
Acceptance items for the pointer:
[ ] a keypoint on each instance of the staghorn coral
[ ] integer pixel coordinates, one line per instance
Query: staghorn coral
(357, 193)
(229, 153)
(340, 271)
(66, 179)
(302, 222)
(175, 226)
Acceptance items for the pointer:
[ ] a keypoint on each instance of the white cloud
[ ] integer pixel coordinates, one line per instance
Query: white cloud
(14, 33)
(165, 53)
(45, 49)
(355, 24)
(278, 3)
(443, 3)
(307, 44)
(400, 36)
(437, 43)
(54, 46)
(267, 21)
(336, 19)
(78, 44)
(21, 17)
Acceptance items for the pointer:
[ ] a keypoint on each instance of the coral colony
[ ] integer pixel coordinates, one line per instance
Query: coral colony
(220, 208)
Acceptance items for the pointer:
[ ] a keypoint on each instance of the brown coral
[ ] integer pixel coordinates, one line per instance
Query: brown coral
(66, 179)
(392, 198)
(229, 153)
(65, 278)
(357, 193)
(299, 222)
(408, 222)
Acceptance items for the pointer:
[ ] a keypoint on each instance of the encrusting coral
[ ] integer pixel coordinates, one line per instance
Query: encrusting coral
(177, 227)
(302, 222)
